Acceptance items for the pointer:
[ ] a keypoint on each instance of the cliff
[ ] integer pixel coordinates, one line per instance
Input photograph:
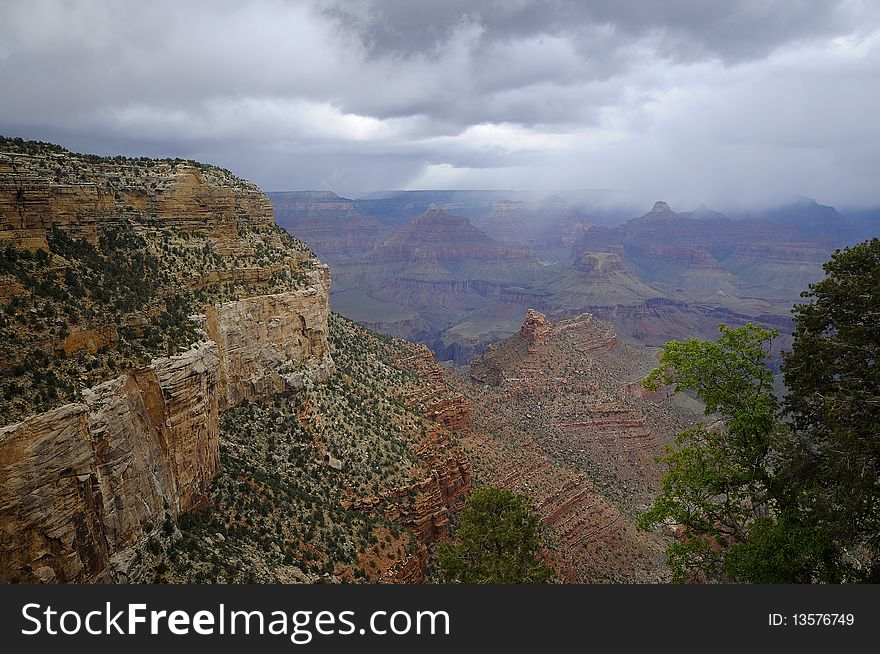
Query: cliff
(180, 405)
(425, 504)
(44, 186)
(82, 485)
(271, 343)
(142, 258)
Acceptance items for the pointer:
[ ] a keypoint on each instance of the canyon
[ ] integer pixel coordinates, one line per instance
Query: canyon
(151, 302)
(458, 284)
(188, 393)
(200, 413)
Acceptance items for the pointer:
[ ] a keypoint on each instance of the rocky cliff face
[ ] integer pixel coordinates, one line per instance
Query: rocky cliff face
(345, 481)
(426, 503)
(84, 483)
(271, 343)
(45, 187)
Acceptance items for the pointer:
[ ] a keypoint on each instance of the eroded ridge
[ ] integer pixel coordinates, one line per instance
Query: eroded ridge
(558, 412)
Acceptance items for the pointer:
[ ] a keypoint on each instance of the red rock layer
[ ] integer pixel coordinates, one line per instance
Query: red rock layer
(553, 415)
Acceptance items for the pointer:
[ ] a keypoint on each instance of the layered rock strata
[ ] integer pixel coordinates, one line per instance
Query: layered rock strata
(329, 224)
(80, 193)
(555, 415)
(82, 484)
(271, 343)
(425, 505)
(159, 426)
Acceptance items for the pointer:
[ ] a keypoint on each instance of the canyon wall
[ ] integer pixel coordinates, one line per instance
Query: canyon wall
(272, 343)
(80, 193)
(95, 476)
(80, 485)
(83, 484)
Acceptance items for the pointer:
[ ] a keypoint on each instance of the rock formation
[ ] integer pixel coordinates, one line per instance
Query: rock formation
(554, 414)
(345, 481)
(535, 328)
(84, 483)
(703, 253)
(51, 187)
(438, 236)
(271, 343)
(449, 475)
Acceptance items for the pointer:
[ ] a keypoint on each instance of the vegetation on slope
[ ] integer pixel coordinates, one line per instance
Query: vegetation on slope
(276, 511)
(81, 313)
(118, 290)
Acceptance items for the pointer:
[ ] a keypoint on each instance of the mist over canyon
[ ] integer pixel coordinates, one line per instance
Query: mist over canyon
(456, 269)
(190, 393)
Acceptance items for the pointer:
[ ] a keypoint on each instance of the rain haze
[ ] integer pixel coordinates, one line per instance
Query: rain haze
(736, 104)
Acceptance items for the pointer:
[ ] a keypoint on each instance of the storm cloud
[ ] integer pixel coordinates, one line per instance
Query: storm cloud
(732, 103)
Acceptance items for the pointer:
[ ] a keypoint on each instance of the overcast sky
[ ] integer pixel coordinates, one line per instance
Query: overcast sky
(731, 103)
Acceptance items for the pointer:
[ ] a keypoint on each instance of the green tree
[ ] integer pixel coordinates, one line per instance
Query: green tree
(718, 484)
(792, 496)
(832, 463)
(497, 542)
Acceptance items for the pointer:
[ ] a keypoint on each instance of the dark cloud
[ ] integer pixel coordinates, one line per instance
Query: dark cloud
(733, 30)
(731, 102)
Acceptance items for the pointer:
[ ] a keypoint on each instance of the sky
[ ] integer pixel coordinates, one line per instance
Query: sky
(736, 104)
